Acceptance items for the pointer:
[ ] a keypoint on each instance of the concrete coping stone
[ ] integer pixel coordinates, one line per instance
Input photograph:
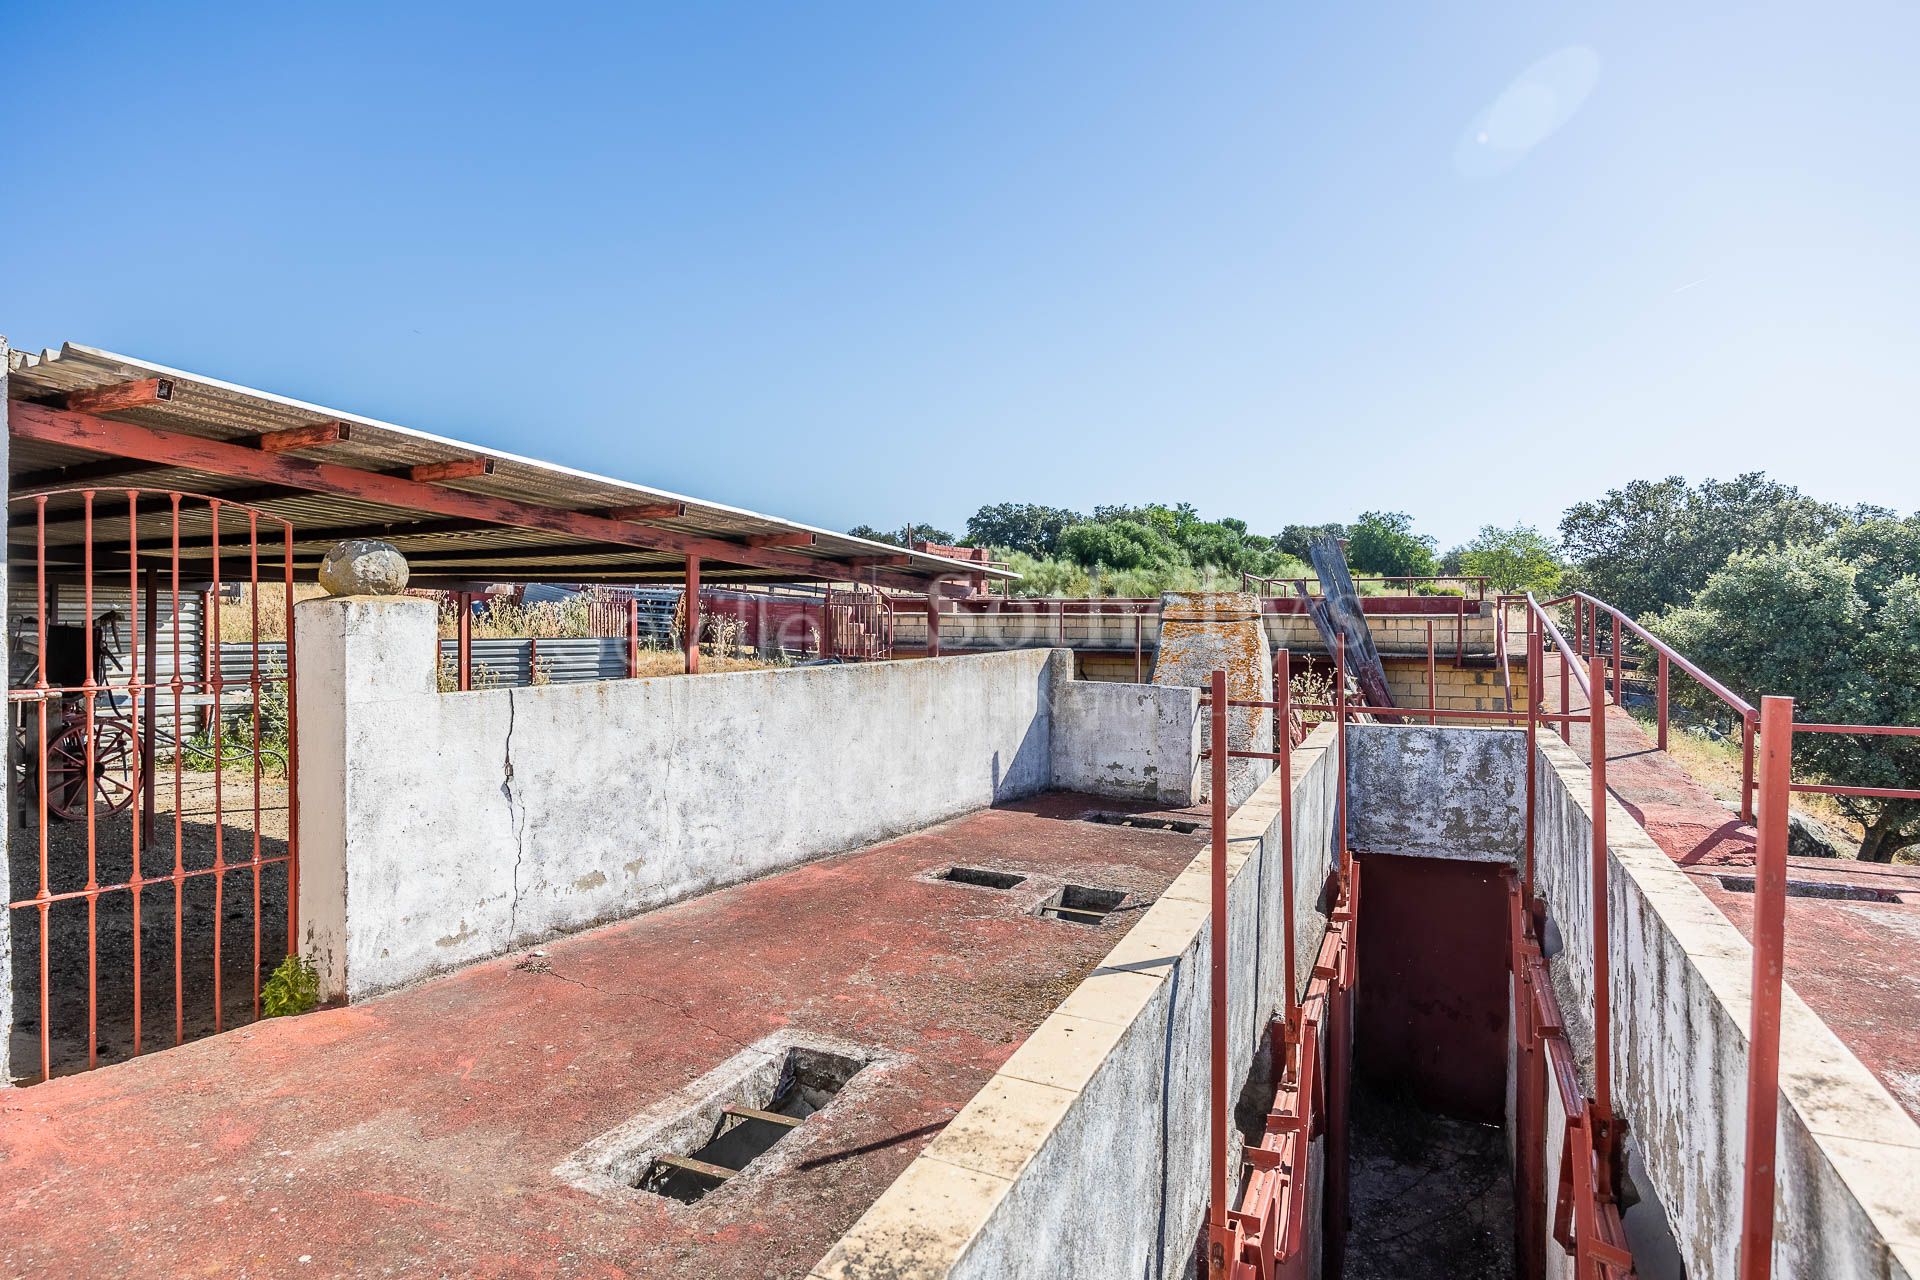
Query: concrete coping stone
(924, 1223)
(1870, 1141)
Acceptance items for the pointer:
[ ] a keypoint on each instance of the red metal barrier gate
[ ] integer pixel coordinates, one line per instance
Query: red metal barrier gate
(147, 763)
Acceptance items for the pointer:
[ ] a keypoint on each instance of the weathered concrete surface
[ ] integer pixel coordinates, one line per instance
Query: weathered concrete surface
(1852, 960)
(1205, 631)
(1437, 792)
(418, 1134)
(467, 824)
(438, 829)
(1137, 740)
(1086, 1154)
(1849, 1157)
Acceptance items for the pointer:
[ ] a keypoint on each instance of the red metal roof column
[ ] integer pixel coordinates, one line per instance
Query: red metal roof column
(693, 615)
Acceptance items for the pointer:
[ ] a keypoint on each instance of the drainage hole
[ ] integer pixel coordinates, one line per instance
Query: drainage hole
(741, 1131)
(1082, 904)
(1145, 821)
(982, 877)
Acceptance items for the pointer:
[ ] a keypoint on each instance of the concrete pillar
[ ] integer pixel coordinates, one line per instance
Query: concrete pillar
(933, 622)
(1201, 631)
(356, 652)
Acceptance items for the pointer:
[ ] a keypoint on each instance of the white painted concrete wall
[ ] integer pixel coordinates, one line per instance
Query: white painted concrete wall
(1086, 1154)
(1437, 792)
(1849, 1155)
(440, 829)
(1136, 740)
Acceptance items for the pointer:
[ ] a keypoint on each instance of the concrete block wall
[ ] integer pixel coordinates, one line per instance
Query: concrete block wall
(439, 829)
(1140, 741)
(1437, 792)
(1849, 1155)
(1086, 1154)
(1470, 688)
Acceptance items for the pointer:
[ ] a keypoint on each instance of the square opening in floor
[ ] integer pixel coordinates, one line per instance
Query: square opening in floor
(982, 877)
(1082, 904)
(725, 1135)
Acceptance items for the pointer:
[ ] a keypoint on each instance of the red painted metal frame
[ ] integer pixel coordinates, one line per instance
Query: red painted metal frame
(1587, 613)
(1285, 586)
(79, 708)
(240, 461)
(1268, 1235)
(1769, 962)
(1586, 1219)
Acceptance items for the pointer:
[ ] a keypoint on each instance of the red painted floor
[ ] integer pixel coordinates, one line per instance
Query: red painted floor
(1856, 963)
(416, 1134)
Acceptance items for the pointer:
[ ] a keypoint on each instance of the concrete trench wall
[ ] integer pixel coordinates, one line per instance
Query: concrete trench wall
(1437, 792)
(1086, 1154)
(1848, 1155)
(440, 829)
(1140, 741)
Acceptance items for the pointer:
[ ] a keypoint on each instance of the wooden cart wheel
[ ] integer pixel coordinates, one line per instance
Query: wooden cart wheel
(116, 769)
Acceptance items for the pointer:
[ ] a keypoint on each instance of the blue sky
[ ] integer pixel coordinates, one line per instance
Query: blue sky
(889, 262)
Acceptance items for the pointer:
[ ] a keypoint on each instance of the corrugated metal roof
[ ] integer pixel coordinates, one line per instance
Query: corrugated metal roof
(216, 410)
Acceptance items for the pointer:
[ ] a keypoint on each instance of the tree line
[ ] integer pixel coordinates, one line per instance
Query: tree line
(1771, 590)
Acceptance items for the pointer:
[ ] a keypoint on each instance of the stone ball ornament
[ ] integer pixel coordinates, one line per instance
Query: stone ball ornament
(364, 567)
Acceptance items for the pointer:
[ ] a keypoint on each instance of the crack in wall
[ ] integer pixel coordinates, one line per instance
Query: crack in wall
(516, 820)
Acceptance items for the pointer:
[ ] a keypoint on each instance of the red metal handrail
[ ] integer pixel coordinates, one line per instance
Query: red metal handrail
(1255, 582)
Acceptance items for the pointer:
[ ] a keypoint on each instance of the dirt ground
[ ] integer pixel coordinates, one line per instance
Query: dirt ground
(231, 897)
(1432, 1197)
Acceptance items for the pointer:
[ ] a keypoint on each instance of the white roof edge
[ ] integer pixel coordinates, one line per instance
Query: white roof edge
(921, 559)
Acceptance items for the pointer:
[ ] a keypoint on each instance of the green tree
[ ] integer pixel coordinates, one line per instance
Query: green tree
(1835, 626)
(1117, 544)
(1517, 559)
(1653, 544)
(905, 536)
(1295, 538)
(1020, 526)
(1384, 542)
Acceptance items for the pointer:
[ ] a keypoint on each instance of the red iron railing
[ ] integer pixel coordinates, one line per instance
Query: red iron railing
(1407, 582)
(87, 746)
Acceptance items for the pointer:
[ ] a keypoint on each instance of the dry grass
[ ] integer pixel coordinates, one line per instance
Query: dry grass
(1715, 764)
(236, 616)
(502, 619)
(670, 662)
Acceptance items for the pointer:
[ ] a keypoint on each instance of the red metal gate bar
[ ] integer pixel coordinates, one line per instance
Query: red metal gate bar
(97, 765)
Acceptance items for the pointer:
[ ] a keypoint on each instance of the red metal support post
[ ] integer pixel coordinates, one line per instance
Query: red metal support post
(1533, 733)
(1433, 700)
(1662, 698)
(1340, 733)
(1219, 1238)
(1747, 726)
(1283, 744)
(1601, 921)
(1769, 952)
(633, 636)
(463, 642)
(1619, 689)
(692, 597)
